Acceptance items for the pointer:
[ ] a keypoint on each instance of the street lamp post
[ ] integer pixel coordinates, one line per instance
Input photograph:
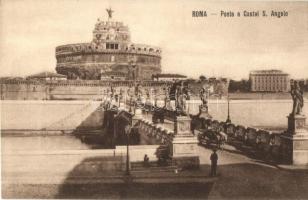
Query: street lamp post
(228, 117)
(155, 101)
(127, 131)
(130, 104)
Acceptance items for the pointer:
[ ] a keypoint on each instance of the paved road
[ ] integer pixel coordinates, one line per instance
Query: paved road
(58, 175)
(243, 177)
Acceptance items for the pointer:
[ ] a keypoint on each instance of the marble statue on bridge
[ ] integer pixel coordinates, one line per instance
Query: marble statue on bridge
(297, 97)
(167, 98)
(203, 97)
(138, 96)
(295, 139)
(138, 92)
(181, 95)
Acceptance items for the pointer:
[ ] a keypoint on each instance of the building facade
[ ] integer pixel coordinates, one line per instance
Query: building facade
(269, 81)
(111, 49)
(168, 77)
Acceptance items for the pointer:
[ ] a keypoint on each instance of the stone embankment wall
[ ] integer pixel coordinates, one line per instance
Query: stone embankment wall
(50, 115)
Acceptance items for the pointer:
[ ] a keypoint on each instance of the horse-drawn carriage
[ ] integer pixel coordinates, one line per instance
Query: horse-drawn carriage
(158, 115)
(211, 138)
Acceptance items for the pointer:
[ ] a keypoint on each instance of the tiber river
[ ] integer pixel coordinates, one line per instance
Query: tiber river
(267, 114)
(270, 114)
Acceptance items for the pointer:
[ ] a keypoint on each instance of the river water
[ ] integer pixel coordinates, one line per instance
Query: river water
(41, 143)
(257, 113)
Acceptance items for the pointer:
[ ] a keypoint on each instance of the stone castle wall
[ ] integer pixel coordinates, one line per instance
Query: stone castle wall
(23, 91)
(89, 65)
(87, 89)
(71, 90)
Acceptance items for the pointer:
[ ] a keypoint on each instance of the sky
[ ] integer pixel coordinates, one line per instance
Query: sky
(211, 46)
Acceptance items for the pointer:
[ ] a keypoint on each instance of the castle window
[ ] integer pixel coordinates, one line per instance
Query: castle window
(139, 49)
(112, 46)
(145, 49)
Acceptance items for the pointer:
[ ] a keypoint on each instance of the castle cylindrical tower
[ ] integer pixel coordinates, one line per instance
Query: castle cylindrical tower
(110, 50)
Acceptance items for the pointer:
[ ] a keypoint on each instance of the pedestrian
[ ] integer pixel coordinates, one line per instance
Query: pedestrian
(146, 161)
(214, 158)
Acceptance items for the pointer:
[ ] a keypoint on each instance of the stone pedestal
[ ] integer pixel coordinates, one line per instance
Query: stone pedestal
(184, 144)
(204, 112)
(137, 116)
(122, 106)
(295, 141)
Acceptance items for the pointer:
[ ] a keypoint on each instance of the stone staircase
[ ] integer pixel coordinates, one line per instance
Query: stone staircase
(138, 167)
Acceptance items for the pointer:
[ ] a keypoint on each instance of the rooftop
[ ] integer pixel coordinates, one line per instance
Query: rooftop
(270, 71)
(168, 76)
(46, 75)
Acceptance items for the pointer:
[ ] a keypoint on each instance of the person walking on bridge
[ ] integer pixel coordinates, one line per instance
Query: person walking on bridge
(214, 158)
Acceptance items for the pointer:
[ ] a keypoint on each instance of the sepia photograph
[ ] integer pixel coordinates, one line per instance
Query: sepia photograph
(164, 99)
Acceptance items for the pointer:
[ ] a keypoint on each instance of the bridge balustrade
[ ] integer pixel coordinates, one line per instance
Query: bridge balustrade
(221, 126)
(215, 126)
(160, 134)
(251, 136)
(264, 144)
(261, 140)
(230, 130)
(240, 133)
(276, 150)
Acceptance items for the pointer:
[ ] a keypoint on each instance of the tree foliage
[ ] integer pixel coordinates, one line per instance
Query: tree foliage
(239, 86)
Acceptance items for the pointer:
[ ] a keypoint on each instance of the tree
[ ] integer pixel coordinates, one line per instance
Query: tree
(239, 86)
(202, 78)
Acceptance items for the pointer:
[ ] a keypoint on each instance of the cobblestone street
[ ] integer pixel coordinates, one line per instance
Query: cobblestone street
(238, 177)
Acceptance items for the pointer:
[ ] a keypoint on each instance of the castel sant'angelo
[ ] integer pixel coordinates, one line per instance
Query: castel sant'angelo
(88, 70)
(110, 50)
